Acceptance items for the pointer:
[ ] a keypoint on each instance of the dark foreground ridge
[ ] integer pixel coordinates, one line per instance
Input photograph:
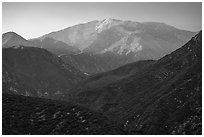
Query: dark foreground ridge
(29, 115)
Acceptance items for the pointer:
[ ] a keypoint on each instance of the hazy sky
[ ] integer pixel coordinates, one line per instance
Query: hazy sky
(32, 20)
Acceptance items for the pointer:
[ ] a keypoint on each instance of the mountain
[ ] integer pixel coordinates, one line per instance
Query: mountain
(33, 71)
(90, 63)
(56, 47)
(123, 37)
(122, 42)
(100, 80)
(145, 97)
(151, 97)
(35, 116)
(129, 40)
(79, 35)
(11, 39)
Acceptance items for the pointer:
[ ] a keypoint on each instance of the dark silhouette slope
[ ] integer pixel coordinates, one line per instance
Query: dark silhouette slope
(35, 116)
(34, 71)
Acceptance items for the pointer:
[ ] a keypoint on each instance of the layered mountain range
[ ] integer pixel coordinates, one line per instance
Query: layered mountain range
(122, 42)
(152, 97)
(149, 81)
(122, 37)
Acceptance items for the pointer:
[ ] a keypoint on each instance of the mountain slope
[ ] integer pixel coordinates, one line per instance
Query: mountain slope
(123, 37)
(11, 39)
(95, 63)
(96, 81)
(122, 41)
(162, 98)
(34, 71)
(56, 47)
(35, 116)
(80, 35)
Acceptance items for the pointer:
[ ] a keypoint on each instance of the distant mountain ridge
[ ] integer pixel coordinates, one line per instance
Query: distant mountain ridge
(107, 44)
(122, 41)
(122, 37)
(55, 46)
(11, 39)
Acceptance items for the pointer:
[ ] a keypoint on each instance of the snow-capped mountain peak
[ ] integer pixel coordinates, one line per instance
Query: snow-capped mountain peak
(106, 24)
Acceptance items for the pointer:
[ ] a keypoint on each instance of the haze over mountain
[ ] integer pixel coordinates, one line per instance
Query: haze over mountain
(11, 39)
(107, 44)
(122, 37)
(122, 41)
(32, 20)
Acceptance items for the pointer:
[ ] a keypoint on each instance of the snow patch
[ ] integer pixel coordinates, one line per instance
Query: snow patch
(106, 24)
(124, 46)
(86, 73)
